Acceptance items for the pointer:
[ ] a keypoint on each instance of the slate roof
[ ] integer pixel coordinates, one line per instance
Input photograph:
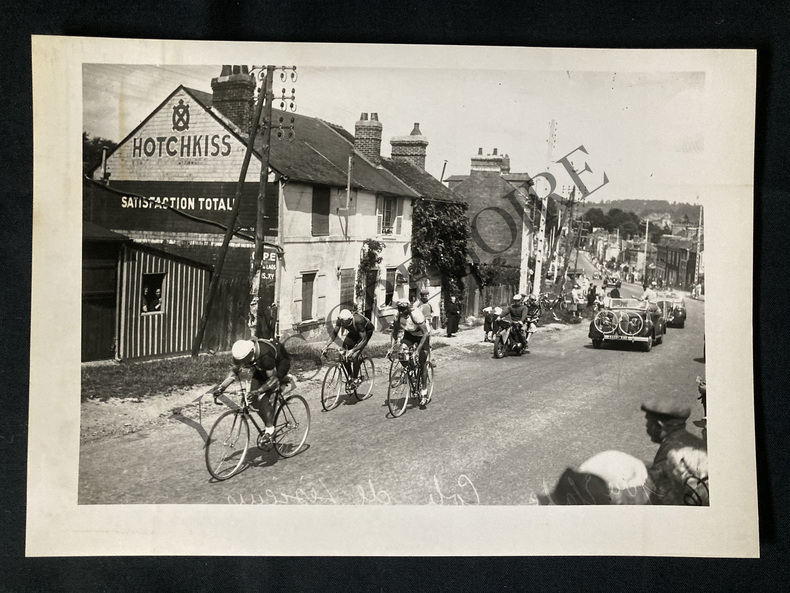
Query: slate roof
(422, 182)
(318, 154)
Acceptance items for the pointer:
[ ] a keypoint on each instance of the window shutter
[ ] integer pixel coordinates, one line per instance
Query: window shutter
(297, 299)
(399, 215)
(320, 211)
(379, 214)
(320, 291)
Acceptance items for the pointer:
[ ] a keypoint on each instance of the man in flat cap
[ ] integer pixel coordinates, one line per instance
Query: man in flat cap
(666, 424)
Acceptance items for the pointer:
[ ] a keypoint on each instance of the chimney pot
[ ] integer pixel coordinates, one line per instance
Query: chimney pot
(416, 130)
(363, 116)
(480, 151)
(495, 152)
(374, 117)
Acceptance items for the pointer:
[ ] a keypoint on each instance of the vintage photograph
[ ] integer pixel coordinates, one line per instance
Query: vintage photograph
(308, 281)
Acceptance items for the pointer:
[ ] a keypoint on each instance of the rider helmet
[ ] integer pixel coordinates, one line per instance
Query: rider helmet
(243, 351)
(345, 315)
(532, 298)
(517, 298)
(497, 311)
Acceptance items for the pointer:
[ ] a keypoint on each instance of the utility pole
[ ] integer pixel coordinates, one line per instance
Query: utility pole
(647, 235)
(537, 283)
(699, 247)
(212, 290)
(263, 308)
(568, 237)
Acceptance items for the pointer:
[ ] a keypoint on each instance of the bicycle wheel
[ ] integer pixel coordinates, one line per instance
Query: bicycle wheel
(227, 445)
(367, 376)
(630, 323)
(398, 389)
(291, 425)
(605, 321)
(332, 387)
(429, 382)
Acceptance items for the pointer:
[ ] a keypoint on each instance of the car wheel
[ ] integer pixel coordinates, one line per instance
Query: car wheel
(597, 344)
(682, 324)
(648, 346)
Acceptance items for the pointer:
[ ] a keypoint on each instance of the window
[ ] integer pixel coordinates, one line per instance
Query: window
(347, 289)
(390, 288)
(389, 216)
(308, 285)
(320, 211)
(151, 301)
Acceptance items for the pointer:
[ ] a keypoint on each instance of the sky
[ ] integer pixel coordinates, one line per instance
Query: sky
(644, 130)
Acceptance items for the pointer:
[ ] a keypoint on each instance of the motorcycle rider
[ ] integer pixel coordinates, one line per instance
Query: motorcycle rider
(516, 313)
(533, 314)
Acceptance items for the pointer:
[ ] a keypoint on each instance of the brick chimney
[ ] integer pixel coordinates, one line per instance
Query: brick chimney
(234, 95)
(411, 148)
(367, 137)
(487, 163)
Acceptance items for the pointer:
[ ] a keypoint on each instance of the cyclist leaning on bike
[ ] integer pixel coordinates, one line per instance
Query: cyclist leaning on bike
(415, 331)
(270, 363)
(355, 330)
(533, 314)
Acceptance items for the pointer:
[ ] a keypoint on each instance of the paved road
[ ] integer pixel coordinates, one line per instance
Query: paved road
(497, 432)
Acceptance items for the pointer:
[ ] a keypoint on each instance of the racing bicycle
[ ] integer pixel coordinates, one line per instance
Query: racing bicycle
(338, 381)
(405, 380)
(229, 438)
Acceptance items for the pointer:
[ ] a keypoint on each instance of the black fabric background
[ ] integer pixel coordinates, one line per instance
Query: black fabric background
(551, 23)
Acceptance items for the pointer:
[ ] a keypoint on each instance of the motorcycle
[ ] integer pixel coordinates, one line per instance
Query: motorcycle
(506, 339)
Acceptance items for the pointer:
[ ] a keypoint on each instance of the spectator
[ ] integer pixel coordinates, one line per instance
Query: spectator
(666, 425)
(488, 324)
(577, 298)
(427, 309)
(453, 312)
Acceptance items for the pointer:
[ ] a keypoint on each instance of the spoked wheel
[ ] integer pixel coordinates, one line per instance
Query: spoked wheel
(398, 389)
(332, 387)
(367, 376)
(499, 347)
(605, 322)
(291, 425)
(227, 445)
(428, 384)
(630, 323)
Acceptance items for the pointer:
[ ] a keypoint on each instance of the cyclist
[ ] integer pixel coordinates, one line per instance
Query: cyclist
(516, 313)
(415, 331)
(355, 330)
(270, 363)
(533, 314)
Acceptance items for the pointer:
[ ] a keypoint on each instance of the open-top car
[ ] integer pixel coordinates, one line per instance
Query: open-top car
(628, 320)
(674, 308)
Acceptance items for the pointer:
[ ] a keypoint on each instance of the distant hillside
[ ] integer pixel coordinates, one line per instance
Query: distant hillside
(646, 208)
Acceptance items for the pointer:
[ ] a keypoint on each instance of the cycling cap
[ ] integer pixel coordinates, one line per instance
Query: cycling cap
(345, 315)
(652, 284)
(532, 298)
(497, 310)
(403, 304)
(243, 350)
(517, 297)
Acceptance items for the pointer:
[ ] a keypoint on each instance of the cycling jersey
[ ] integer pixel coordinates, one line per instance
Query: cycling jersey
(515, 312)
(413, 322)
(360, 326)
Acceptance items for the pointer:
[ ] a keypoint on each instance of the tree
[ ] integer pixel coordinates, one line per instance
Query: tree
(92, 149)
(440, 231)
